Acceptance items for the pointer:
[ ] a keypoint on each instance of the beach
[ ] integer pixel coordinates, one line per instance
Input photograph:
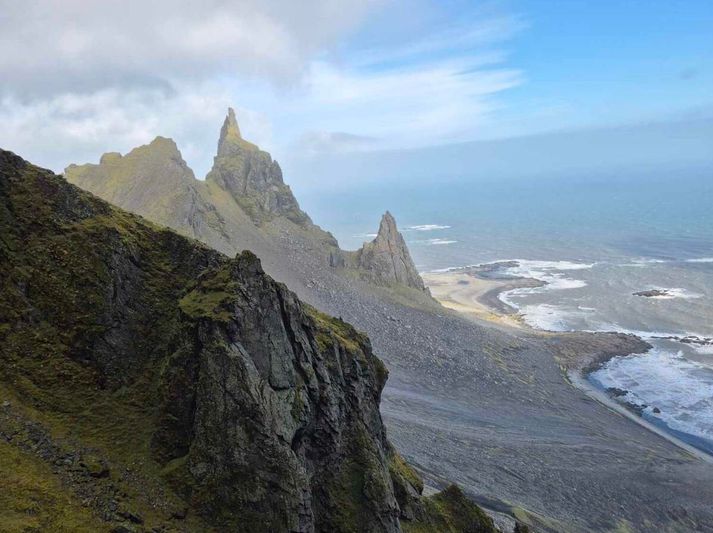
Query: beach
(468, 292)
(475, 292)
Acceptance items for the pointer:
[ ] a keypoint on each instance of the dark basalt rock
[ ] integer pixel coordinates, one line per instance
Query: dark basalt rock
(652, 293)
(252, 177)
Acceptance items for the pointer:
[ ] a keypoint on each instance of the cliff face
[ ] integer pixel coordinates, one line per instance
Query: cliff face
(252, 177)
(156, 383)
(387, 259)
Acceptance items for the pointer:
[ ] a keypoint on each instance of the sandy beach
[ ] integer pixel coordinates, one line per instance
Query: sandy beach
(469, 292)
(475, 296)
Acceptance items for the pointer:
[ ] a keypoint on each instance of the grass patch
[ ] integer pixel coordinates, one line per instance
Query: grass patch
(32, 499)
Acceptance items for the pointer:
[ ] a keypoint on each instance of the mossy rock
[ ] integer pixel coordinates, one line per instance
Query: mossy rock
(450, 511)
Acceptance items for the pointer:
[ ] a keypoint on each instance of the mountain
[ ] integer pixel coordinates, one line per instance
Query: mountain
(242, 204)
(489, 407)
(148, 382)
(155, 181)
(387, 258)
(252, 177)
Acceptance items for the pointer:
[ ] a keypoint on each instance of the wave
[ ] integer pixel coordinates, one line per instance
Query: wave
(548, 317)
(428, 227)
(432, 242)
(645, 261)
(437, 242)
(550, 273)
(666, 386)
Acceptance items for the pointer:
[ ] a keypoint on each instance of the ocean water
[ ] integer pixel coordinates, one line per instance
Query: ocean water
(595, 240)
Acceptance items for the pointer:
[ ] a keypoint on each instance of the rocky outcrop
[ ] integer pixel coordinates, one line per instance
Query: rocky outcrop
(168, 386)
(152, 180)
(386, 259)
(243, 204)
(252, 177)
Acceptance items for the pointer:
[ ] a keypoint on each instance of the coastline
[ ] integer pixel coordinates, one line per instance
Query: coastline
(578, 379)
(475, 295)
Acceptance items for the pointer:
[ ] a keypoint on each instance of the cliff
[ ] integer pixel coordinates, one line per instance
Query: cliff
(386, 259)
(252, 177)
(148, 382)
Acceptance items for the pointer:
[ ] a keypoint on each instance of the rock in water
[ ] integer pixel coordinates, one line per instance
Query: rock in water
(252, 177)
(387, 259)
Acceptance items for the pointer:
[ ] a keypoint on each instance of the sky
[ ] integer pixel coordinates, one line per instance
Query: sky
(318, 79)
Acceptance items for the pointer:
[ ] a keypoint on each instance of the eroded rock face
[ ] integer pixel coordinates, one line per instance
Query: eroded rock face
(252, 177)
(387, 258)
(286, 423)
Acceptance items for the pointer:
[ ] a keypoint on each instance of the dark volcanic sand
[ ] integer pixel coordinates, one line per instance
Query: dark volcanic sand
(491, 409)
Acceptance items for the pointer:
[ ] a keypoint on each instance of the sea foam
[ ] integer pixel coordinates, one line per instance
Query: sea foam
(428, 227)
(679, 389)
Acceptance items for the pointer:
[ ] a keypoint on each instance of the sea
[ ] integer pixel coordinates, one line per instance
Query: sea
(595, 241)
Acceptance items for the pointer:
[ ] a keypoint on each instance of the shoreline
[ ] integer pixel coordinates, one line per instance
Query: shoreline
(476, 296)
(578, 380)
(470, 293)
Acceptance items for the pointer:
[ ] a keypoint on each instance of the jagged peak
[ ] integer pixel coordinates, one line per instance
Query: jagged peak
(230, 126)
(230, 136)
(159, 145)
(160, 140)
(387, 257)
(387, 226)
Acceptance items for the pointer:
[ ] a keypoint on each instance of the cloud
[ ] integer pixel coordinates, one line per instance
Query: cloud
(49, 46)
(81, 78)
(411, 105)
(77, 128)
(435, 87)
(316, 142)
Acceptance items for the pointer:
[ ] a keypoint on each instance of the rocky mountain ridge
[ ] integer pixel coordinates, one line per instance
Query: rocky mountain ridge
(486, 406)
(150, 383)
(252, 177)
(242, 204)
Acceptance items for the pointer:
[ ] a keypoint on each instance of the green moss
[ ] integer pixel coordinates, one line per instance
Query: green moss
(66, 258)
(358, 482)
(330, 329)
(212, 296)
(450, 511)
(32, 499)
(401, 469)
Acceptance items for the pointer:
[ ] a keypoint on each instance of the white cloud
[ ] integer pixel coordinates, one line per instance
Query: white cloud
(81, 78)
(419, 104)
(76, 128)
(443, 86)
(80, 45)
